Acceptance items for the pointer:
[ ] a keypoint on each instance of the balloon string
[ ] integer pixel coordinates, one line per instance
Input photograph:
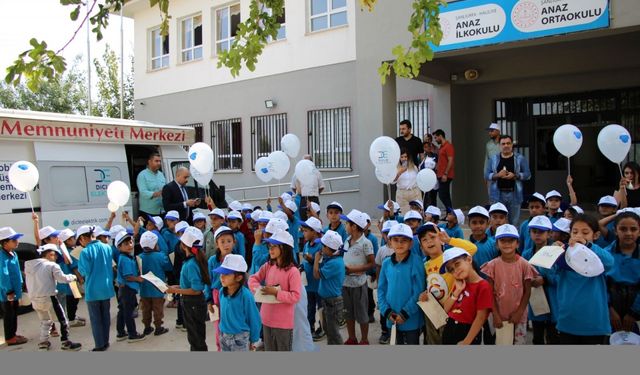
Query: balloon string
(389, 190)
(31, 203)
(569, 166)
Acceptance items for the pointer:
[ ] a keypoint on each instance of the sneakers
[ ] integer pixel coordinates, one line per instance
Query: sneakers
(77, 323)
(160, 331)
(121, 336)
(318, 335)
(363, 342)
(44, 346)
(181, 327)
(351, 342)
(384, 339)
(104, 348)
(136, 338)
(147, 331)
(342, 323)
(17, 340)
(53, 332)
(71, 346)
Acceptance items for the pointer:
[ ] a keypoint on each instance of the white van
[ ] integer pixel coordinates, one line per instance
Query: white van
(77, 157)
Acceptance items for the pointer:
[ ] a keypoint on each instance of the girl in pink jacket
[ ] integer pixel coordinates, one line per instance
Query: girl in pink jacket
(280, 278)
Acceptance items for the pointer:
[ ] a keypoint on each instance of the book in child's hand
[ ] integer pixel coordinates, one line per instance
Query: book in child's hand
(434, 311)
(155, 281)
(546, 257)
(265, 298)
(504, 335)
(215, 315)
(538, 302)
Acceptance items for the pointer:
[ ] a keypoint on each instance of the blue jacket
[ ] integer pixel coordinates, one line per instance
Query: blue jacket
(95, 266)
(487, 250)
(399, 287)
(625, 273)
(376, 245)
(311, 249)
(260, 256)
(239, 313)
(582, 301)
(527, 254)
(342, 231)
(606, 241)
(523, 174)
(157, 263)
(455, 232)
(294, 230)
(525, 237)
(331, 277)
(191, 278)
(215, 277)
(128, 266)
(10, 275)
(170, 238)
(68, 270)
(239, 247)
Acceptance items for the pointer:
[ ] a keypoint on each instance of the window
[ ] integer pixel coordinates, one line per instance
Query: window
(266, 133)
(330, 137)
(159, 50)
(198, 128)
(227, 21)
(191, 29)
(416, 111)
(226, 139)
(326, 14)
(282, 31)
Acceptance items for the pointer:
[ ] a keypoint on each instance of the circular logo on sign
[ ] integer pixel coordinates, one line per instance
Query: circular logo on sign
(66, 223)
(524, 14)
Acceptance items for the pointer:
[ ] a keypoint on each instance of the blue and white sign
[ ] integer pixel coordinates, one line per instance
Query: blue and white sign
(473, 23)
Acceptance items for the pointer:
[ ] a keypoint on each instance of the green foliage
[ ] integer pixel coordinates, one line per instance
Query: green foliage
(108, 85)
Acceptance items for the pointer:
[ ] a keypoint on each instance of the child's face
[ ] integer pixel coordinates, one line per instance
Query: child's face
(274, 251)
(498, 219)
(536, 208)
(606, 210)
(333, 214)
(556, 236)
(150, 225)
(553, 203)
(478, 225)
(628, 231)
(200, 224)
(230, 279)
(452, 220)
(126, 246)
(309, 234)
(51, 256)
(327, 251)
(460, 267)
(261, 226)
(225, 243)
(539, 237)
(171, 224)
(10, 245)
(568, 215)
(416, 209)
(351, 228)
(507, 245)
(70, 243)
(234, 224)
(401, 245)
(103, 239)
(413, 224)
(430, 245)
(581, 232)
(216, 221)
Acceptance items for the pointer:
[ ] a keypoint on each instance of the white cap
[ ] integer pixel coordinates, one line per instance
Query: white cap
(290, 204)
(48, 247)
(247, 207)
(562, 225)
(459, 215)
(396, 206)
(7, 233)
(367, 217)
(235, 206)
(507, 231)
(84, 229)
(286, 197)
(434, 211)
(538, 197)
(181, 226)
(114, 230)
(313, 224)
(255, 215)
(192, 237)
(417, 202)
(65, 234)
(199, 216)
(276, 224)
(335, 204)
(232, 263)
(217, 212)
(280, 215)
(493, 126)
(148, 240)
(401, 230)
(478, 211)
(265, 216)
(412, 215)
(357, 218)
(98, 231)
(48, 231)
(172, 215)
(608, 200)
(121, 237)
(583, 260)
(541, 222)
(234, 215)
(222, 230)
(578, 209)
(553, 193)
(450, 254)
(332, 240)
(281, 237)
(624, 338)
(498, 207)
(386, 227)
(314, 207)
(157, 221)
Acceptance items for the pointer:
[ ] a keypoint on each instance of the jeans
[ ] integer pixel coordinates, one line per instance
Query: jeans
(408, 337)
(235, 343)
(314, 302)
(126, 305)
(444, 192)
(69, 304)
(10, 319)
(331, 316)
(100, 321)
(180, 312)
(508, 198)
(195, 313)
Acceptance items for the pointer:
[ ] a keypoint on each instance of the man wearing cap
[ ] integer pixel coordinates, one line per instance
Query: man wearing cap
(150, 182)
(492, 147)
(175, 196)
(308, 191)
(505, 172)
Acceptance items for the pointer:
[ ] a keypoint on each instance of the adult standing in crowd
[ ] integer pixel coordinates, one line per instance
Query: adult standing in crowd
(406, 182)
(150, 182)
(505, 172)
(175, 197)
(491, 148)
(628, 194)
(445, 168)
(409, 142)
(429, 160)
(308, 192)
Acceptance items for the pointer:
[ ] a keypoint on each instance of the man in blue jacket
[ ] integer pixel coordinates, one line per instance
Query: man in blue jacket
(505, 173)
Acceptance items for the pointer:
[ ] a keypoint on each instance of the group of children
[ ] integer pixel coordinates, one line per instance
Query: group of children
(264, 279)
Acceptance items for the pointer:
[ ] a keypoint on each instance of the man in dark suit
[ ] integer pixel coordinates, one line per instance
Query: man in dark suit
(175, 197)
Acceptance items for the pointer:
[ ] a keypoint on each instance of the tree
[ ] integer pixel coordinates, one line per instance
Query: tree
(108, 72)
(39, 64)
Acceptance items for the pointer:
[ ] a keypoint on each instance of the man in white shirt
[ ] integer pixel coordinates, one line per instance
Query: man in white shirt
(308, 191)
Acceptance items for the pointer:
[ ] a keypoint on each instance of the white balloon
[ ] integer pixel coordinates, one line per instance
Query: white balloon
(386, 175)
(112, 207)
(278, 164)
(614, 141)
(426, 180)
(262, 169)
(201, 157)
(202, 178)
(305, 172)
(384, 152)
(568, 140)
(23, 176)
(290, 145)
(118, 192)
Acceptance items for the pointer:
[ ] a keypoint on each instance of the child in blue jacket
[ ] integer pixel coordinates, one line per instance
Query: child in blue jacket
(10, 285)
(152, 299)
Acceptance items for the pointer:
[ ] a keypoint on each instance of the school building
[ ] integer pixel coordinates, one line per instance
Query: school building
(529, 65)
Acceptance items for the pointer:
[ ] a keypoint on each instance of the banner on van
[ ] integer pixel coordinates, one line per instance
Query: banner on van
(62, 131)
